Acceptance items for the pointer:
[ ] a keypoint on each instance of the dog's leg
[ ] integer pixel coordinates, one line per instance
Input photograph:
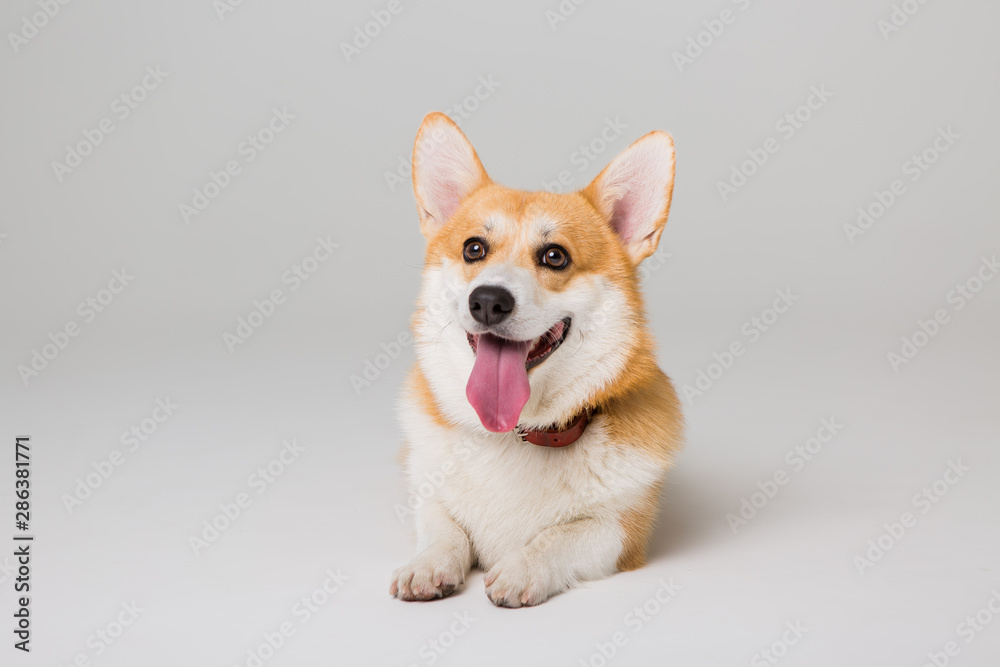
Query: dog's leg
(444, 556)
(553, 561)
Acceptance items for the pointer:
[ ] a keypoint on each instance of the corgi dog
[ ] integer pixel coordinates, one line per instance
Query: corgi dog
(538, 427)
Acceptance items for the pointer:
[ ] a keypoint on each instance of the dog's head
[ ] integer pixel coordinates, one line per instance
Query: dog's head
(530, 303)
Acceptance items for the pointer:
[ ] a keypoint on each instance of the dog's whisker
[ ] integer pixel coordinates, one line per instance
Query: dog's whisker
(437, 338)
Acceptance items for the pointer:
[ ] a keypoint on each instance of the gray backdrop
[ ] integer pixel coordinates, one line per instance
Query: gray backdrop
(844, 154)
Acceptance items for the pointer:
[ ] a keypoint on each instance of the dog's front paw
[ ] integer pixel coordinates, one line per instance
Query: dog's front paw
(430, 575)
(523, 578)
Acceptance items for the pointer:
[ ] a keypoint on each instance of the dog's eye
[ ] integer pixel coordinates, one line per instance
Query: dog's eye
(555, 257)
(475, 250)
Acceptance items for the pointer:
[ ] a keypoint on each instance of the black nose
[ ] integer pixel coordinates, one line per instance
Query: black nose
(490, 304)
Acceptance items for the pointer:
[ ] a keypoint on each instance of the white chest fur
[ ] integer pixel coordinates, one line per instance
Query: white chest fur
(503, 491)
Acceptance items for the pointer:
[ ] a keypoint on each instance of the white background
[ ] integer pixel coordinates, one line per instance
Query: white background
(324, 176)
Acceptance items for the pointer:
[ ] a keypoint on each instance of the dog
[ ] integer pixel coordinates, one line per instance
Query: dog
(538, 427)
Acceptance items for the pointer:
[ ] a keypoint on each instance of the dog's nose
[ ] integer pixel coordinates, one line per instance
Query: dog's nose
(490, 304)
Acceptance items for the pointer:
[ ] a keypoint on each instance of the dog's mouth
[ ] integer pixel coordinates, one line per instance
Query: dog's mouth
(542, 347)
(498, 387)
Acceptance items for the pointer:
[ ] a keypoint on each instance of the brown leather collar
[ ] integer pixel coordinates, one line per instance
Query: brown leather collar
(553, 437)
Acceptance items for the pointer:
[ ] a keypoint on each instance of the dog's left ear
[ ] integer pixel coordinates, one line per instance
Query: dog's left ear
(446, 170)
(633, 193)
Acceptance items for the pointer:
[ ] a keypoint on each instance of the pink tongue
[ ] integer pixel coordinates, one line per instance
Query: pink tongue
(498, 387)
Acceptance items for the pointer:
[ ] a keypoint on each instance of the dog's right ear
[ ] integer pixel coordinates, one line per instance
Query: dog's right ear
(446, 170)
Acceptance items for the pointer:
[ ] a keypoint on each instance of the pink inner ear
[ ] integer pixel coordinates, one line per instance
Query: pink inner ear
(635, 189)
(447, 199)
(625, 216)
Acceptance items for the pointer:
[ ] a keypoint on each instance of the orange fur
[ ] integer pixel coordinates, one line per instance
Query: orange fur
(637, 524)
(417, 385)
